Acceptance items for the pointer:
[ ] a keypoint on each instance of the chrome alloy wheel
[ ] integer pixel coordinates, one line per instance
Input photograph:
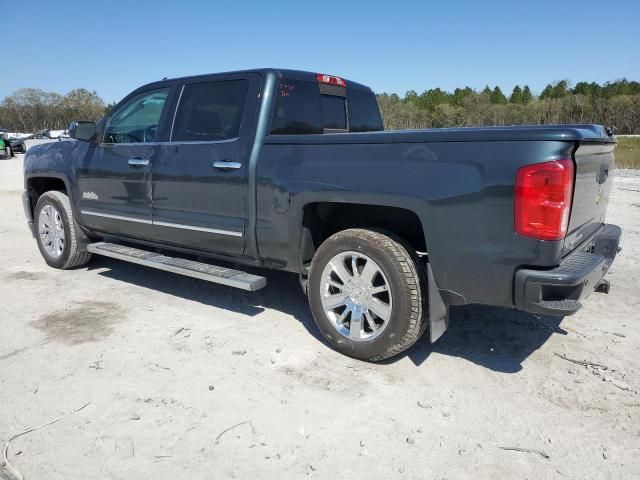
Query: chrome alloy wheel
(51, 230)
(356, 296)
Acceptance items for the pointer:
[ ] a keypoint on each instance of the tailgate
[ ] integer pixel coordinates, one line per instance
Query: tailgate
(594, 177)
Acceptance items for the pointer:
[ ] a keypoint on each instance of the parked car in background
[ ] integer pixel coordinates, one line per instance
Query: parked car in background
(57, 133)
(292, 171)
(5, 148)
(20, 141)
(14, 139)
(18, 146)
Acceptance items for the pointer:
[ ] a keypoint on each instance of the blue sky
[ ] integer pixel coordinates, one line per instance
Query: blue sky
(115, 46)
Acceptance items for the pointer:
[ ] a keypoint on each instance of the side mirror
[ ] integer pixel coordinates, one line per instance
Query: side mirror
(84, 131)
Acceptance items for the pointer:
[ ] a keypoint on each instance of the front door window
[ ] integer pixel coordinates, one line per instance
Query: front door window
(137, 120)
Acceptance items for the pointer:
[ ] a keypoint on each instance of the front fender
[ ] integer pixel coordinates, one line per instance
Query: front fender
(56, 160)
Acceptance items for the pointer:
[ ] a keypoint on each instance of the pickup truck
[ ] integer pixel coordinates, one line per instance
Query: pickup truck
(293, 171)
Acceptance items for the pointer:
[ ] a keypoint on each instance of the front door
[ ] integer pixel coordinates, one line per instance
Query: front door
(200, 179)
(114, 179)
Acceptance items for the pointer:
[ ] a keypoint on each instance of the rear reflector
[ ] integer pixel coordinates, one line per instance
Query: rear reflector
(330, 80)
(543, 199)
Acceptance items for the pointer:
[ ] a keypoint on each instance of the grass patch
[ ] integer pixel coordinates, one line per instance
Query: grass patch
(628, 152)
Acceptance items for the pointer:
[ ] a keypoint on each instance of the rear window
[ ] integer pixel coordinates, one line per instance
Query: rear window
(301, 108)
(210, 111)
(334, 113)
(364, 114)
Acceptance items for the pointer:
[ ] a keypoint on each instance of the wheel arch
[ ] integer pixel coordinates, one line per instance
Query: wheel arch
(38, 183)
(321, 219)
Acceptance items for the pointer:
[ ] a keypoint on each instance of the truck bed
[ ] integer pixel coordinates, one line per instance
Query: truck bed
(460, 181)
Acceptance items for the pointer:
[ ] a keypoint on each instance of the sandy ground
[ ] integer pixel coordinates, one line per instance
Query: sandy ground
(183, 379)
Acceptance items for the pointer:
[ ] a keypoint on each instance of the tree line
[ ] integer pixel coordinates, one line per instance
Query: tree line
(614, 104)
(30, 110)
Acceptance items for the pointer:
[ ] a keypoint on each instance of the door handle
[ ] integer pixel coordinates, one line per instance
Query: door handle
(139, 162)
(226, 165)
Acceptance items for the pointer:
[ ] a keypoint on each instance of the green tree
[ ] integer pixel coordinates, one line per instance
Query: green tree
(547, 92)
(460, 94)
(516, 95)
(587, 89)
(430, 99)
(526, 95)
(556, 90)
(560, 89)
(497, 97)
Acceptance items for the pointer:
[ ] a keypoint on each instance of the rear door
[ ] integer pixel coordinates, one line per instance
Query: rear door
(200, 179)
(114, 178)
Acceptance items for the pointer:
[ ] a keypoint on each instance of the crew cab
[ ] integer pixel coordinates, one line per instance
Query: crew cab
(293, 171)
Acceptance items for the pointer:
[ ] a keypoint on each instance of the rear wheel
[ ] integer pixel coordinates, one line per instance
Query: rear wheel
(366, 292)
(60, 240)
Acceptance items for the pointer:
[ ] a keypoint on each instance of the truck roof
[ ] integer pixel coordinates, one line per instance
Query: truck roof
(281, 72)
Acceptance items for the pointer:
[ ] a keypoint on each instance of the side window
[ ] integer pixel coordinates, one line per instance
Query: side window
(137, 120)
(210, 111)
(297, 109)
(301, 108)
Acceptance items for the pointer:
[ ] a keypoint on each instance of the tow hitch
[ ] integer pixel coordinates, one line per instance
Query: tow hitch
(603, 286)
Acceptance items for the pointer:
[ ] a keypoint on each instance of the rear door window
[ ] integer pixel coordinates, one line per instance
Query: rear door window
(210, 111)
(297, 109)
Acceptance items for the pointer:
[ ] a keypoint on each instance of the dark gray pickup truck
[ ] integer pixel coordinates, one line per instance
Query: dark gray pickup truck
(292, 170)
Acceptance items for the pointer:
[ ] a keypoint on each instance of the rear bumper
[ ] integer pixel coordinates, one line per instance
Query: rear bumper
(559, 291)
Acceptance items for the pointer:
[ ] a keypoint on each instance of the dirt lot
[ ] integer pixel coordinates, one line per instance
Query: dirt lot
(183, 379)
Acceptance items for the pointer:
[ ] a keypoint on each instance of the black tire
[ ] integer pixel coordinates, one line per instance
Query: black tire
(407, 280)
(74, 251)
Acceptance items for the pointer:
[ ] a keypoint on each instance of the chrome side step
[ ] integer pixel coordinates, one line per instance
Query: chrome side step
(190, 268)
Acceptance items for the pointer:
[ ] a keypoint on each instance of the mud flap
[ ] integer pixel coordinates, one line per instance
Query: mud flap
(438, 310)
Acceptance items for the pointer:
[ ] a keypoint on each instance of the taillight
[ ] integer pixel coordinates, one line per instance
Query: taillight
(331, 80)
(543, 199)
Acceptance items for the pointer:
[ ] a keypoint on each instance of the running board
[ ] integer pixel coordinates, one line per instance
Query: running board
(203, 271)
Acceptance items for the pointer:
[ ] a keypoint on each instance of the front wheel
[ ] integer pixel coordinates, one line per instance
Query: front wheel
(367, 294)
(60, 240)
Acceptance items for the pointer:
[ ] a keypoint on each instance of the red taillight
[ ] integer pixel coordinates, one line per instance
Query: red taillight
(330, 80)
(543, 199)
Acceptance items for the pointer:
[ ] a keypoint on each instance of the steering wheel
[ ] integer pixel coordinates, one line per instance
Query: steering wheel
(149, 133)
(115, 137)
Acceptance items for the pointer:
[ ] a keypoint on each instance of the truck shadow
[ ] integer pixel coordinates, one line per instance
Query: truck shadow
(495, 338)
(499, 339)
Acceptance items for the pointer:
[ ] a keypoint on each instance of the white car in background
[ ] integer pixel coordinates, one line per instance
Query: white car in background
(18, 136)
(58, 134)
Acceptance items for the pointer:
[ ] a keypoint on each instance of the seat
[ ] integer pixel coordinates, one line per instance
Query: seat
(203, 125)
